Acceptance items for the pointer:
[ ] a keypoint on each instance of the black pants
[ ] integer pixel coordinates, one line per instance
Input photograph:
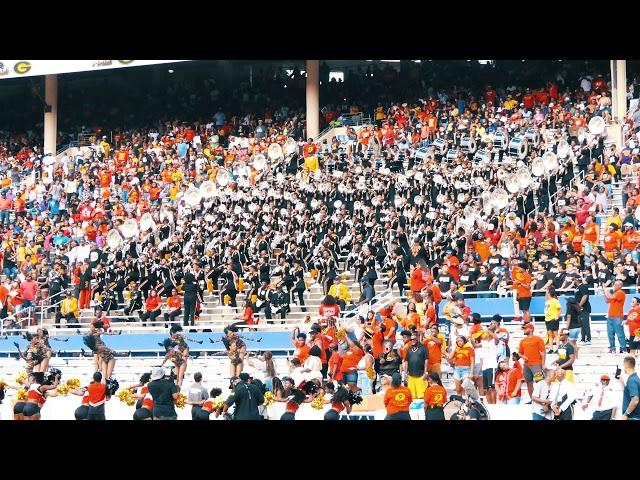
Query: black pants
(96, 413)
(190, 301)
(82, 412)
(70, 317)
(288, 416)
(300, 293)
(566, 414)
(151, 316)
(332, 415)
(171, 317)
(195, 410)
(585, 326)
(398, 416)
(400, 281)
(436, 413)
(232, 295)
(602, 414)
(201, 415)
(283, 310)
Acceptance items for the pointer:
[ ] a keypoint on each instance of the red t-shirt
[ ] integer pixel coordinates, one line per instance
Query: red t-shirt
(97, 393)
(336, 361)
(152, 303)
(329, 310)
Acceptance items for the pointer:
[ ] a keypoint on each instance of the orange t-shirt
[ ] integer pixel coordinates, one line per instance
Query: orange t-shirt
(611, 241)
(434, 349)
(336, 361)
(616, 304)
(463, 356)
(532, 347)
(437, 294)
(397, 399)
(97, 393)
(152, 303)
(435, 396)
(481, 249)
(522, 282)
(633, 320)
(591, 233)
(301, 352)
(351, 359)
(629, 240)
(417, 283)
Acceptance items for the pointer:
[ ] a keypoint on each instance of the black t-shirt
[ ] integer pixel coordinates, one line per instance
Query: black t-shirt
(467, 278)
(162, 393)
(445, 282)
(494, 261)
(484, 281)
(564, 353)
(391, 363)
(583, 289)
(572, 315)
(416, 360)
(541, 279)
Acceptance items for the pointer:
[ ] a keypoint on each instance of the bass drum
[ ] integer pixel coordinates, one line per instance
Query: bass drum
(518, 147)
(441, 146)
(468, 145)
(501, 140)
(532, 136)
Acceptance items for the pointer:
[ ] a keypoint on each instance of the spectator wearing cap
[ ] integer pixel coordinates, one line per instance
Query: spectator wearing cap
(532, 351)
(583, 306)
(246, 397)
(603, 400)
(164, 393)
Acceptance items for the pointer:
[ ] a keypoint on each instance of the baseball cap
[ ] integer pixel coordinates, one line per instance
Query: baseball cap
(244, 376)
(605, 378)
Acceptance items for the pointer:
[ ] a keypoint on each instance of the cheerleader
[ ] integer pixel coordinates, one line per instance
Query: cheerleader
(207, 407)
(236, 350)
(82, 412)
(177, 351)
(104, 357)
(18, 405)
(37, 395)
(295, 399)
(38, 352)
(339, 402)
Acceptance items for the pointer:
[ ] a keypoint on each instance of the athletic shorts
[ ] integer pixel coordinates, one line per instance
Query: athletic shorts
(489, 378)
(30, 409)
(552, 325)
(531, 371)
(524, 303)
(18, 407)
(417, 385)
(350, 377)
(82, 412)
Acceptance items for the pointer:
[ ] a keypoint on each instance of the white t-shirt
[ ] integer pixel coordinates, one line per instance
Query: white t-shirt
(541, 390)
(489, 354)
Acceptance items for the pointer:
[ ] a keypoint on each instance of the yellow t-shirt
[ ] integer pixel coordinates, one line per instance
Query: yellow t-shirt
(614, 220)
(552, 310)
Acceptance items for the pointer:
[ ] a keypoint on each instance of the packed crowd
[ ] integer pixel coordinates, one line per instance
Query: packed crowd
(150, 223)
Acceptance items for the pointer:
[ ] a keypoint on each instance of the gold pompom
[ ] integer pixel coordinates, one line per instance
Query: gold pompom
(318, 402)
(21, 395)
(341, 334)
(124, 395)
(21, 377)
(371, 373)
(269, 399)
(2, 384)
(217, 403)
(73, 383)
(63, 390)
(181, 401)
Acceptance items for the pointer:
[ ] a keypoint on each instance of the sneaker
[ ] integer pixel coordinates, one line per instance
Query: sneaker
(622, 350)
(612, 350)
(586, 343)
(550, 351)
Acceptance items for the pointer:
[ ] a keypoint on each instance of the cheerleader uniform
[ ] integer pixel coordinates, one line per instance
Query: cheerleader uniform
(205, 411)
(290, 411)
(334, 411)
(144, 406)
(31, 408)
(82, 412)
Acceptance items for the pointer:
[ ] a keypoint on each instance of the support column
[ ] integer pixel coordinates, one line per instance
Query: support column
(621, 72)
(313, 98)
(51, 114)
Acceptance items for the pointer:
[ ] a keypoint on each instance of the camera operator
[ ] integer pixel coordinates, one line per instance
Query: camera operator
(246, 397)
(164, 392)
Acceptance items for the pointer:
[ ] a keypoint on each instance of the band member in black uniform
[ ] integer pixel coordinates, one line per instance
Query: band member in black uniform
(328, 270)
(135, 302)
(399, 274)
(230, 286)
(192, 295)
(299, 285)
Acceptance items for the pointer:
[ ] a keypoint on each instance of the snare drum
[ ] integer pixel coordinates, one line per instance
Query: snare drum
(518, 147)
(482, 156)
(501, 140)
(468, 145)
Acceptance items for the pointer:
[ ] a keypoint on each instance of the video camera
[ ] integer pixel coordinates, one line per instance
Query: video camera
(51, 375)
(112, 386)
